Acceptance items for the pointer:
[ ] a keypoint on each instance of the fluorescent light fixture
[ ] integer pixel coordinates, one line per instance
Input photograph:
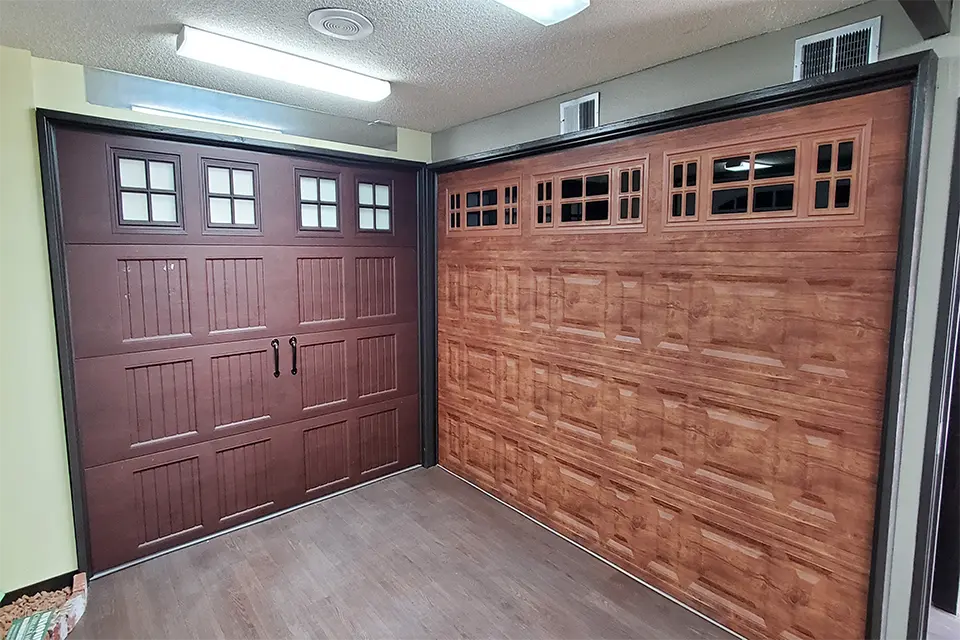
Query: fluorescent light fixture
(547, 12)
(270, 63)
(154, 111)
(745, 166)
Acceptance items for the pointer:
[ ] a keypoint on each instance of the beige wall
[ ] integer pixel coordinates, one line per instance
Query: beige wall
(36, 521)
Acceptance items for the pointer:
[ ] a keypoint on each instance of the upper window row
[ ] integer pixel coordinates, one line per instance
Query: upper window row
(489, 208)
(149, 194)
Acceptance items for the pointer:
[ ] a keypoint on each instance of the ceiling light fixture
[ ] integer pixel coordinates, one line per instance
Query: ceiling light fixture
(154, 111)
(547, 12)
(270, 63)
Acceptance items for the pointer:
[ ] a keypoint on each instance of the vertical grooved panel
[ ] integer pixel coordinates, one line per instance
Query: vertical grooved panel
(326, 452)
(377, 364)
(323, 373)
(379, 444)
(243, 478)
(239, 393)
(153, 298)
(376, 287)
(167, 499)
(235, 295)
(320, 282)
(160, 398)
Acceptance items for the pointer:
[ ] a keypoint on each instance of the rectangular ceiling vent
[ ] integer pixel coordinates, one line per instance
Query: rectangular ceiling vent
(580, 113)
(851, 46)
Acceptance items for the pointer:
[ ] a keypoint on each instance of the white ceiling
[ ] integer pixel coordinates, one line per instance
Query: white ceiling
(451, 61)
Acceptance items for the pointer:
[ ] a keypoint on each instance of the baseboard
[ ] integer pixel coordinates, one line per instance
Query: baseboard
(598, 556)
(50, 584)
(269, 516)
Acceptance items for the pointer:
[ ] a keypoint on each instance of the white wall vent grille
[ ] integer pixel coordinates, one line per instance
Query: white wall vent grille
(580, 113)
(851, 46)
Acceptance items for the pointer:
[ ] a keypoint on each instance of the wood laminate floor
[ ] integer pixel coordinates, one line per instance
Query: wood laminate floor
(942, 625)
(418, 555)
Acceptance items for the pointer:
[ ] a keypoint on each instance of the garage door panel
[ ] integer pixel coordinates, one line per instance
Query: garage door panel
(135, 404)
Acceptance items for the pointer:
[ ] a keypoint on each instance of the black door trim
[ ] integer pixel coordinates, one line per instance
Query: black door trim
(918, 71)
(48, 122)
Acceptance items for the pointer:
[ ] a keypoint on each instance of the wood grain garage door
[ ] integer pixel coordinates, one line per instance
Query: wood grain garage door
(244, 331)
(676, 352)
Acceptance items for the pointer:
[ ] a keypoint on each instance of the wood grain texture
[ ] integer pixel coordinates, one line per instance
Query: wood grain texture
(699, 401)
(420, 555)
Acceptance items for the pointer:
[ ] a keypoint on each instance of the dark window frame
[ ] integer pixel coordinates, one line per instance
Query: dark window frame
(139, 226)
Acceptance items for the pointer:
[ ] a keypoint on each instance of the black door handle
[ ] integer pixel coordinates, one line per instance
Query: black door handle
(293, 345)
(276, 357)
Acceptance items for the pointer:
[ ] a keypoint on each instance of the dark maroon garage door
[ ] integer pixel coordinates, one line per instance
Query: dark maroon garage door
(244, 328)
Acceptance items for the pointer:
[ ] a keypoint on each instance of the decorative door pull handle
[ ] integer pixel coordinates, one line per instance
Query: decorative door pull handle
(293, 346)
(276, 357)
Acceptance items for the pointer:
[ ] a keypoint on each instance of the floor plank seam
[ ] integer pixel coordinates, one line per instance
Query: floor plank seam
(597, 556)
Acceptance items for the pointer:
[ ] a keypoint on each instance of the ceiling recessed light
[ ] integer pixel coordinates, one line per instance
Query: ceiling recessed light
(270, 63)
(547, 12)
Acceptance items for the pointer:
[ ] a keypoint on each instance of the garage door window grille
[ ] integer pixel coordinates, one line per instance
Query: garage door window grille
(374, 206)
(147, 187)
(231, 196)
(317, 195)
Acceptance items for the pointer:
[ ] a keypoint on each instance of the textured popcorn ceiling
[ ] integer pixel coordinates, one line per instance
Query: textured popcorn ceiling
(450, 61)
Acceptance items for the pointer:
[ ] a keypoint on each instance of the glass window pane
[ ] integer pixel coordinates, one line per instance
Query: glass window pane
(731, 169)
(473, 218)
(328, 216)
(383, 195)
(598, 185)
(164, 207)
(635, 207)
(513, 215)
(540, 191)
(624, 181)
(243, 212)
(328, 190)
(242, 182)
(489, 218)
(218, 180)
(637, 175)
(309, 216)
(571, 212)
(513, 191)
(161, 175)
(778, 197)
(571, 188)
(220, 211)
(366, 218)
(691, 208)
(824, 158)
(841, 195)
(730, 201)
(473, 199)
(597, 210)
(365, 194)
(453, 201)
(691, 174)
(133, 207)
(624, 208)
(383, 219)
(550, 190)
(677, 176)
(822, 198)
(845, 156)
(775, 164)
(308, 189)
(540, 214)
(676, 209)
(132, 173)
(489, 198)
(548, 213)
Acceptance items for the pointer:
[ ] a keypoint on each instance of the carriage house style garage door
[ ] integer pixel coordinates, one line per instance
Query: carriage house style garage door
(244, 330)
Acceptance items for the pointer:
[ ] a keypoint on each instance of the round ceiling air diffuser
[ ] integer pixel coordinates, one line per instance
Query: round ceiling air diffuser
(342, 24)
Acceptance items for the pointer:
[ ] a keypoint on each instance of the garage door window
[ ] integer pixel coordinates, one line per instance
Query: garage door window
(147, 191)
(374, 205)
(231, 196)
(318, 202)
